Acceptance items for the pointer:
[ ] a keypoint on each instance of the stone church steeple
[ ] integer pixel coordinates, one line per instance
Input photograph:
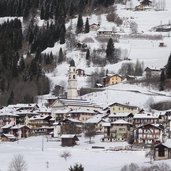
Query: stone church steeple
(72, 82)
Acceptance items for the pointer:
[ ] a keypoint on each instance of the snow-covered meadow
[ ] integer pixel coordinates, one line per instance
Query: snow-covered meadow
(91, 159)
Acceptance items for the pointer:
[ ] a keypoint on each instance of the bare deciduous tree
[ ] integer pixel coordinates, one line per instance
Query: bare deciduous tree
(65, 155)
(90, 132)
(156, 167)
(18, 164)
(150, 155)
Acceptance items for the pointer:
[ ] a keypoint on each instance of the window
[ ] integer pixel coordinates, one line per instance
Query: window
(73, 76)
(161, 152)
(121, 129)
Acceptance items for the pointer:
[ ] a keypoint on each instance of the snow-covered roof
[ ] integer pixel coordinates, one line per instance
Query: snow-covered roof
(119, 115)
(25, 112)
(167, 143)
(8, 114)
(106, 124)
(125, 105)
(105, 28)
(62, 111)
(77, 102)
(11, 136)
(6, 126)
(82, 111)
(39, 117)
(44, 110)
(68, 136)
(20, 105)
(152, 69)
(120, 121)
(73, 120)
(18, 126)
(56, 123)
(95, 119)
(146, 116)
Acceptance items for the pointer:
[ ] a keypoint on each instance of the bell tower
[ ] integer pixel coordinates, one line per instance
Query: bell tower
(72, 82)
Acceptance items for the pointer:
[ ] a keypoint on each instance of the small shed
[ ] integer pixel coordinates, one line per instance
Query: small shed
(8, 137)
(69, 140)
(162, 152)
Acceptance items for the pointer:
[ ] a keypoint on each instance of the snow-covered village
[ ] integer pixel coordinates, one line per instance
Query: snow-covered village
(85, 85)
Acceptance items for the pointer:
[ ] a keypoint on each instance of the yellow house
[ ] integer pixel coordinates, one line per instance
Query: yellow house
(112, 79)
(122, 108)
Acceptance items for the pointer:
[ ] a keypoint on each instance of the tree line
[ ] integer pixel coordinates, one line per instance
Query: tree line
(21, 77)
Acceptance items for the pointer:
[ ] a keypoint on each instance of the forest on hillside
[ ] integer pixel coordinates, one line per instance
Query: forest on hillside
(22, 66)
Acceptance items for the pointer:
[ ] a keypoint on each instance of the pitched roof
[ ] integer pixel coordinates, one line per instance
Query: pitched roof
(95, 119)
(6, 126)
(124, 105)
(120, 121)
(68, 135)
(39, 117)
(18, 126)
(146, 116)
(119, 115)
(10, 136)
(76, 102)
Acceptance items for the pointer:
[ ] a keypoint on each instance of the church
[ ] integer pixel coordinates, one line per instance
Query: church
(73, 106)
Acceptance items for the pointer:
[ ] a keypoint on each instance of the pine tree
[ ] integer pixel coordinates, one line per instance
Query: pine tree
(88, 57)
(21, 64)
(61, 56)
(138, 69)
(76, 168)
(110, 52)
(87, 27)
(162, 80)
(88, 54)
(168, 68)
(71, 10)
(62, 35)
(11, 98)
(79, 24)
(42, 13)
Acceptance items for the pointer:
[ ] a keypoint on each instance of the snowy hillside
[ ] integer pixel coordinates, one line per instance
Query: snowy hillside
(144, 50)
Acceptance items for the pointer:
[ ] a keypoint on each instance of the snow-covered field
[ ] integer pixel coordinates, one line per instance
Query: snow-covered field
(147, 51)
(91, 159)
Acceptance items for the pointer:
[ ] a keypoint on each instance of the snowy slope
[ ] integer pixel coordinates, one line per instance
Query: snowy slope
(147, 51)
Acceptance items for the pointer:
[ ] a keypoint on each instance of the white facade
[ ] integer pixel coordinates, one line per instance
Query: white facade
(72, 83)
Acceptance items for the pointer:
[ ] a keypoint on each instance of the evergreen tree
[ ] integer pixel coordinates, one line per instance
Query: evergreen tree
(88, 54)
(162, 80)
(62, 35)
(72, 63)
(71, 10)
(61, 56)
(79, 28)
(88, 57)
(21, 64)
(42, 13)
(138, 69)
(11, 98)
(76, 168)
(110, 52)
(87, 27)
(168, 68)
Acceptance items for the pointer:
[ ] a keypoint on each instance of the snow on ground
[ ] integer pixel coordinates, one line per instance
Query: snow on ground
(91, 159)
(126, 94)
(147, 51)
